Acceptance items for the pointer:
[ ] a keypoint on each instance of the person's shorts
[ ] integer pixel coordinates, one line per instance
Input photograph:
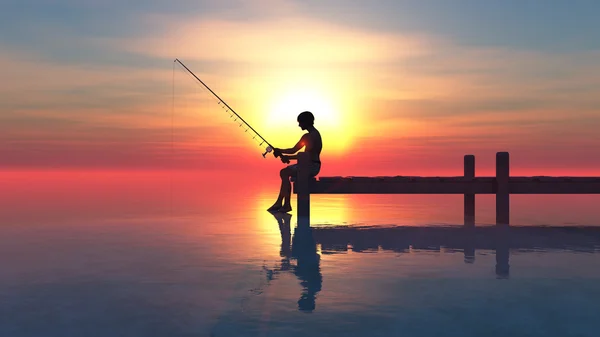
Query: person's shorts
(315, 168)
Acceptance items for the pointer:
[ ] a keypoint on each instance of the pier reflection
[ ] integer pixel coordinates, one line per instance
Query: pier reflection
(501, 239)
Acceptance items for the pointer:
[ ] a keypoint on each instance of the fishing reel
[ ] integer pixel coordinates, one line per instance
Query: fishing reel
(269, 150)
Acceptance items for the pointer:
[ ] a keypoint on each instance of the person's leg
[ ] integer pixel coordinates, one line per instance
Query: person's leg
(278, 203)
(285, 192)
(284, 189)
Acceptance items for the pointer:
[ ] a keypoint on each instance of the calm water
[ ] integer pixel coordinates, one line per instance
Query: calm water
(138, 254)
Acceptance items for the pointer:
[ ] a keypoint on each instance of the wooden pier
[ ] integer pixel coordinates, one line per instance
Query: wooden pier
(502, 185)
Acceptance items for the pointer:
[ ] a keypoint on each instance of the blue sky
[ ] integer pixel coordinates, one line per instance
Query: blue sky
(556, 26)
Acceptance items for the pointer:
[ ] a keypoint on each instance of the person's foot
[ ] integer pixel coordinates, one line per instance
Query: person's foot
(285, 208)
(274, 208)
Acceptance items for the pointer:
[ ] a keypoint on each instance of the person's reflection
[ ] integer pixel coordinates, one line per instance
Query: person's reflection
(284, 228)
(304, 250)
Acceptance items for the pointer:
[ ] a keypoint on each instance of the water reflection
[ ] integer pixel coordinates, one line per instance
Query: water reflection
(501, 240)
(502, 252)
(303, 249)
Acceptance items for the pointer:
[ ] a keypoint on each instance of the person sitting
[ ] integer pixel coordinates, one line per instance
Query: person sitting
(313, 144)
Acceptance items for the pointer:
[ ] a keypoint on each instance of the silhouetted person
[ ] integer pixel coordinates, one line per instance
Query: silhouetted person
(313, 144)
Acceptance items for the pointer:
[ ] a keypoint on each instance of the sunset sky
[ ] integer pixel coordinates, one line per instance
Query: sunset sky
(397, 87)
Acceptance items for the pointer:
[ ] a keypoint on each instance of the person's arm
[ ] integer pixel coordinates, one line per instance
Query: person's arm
(286, 159)
(294, 149)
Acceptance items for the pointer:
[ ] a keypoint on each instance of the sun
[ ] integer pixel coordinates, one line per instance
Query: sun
(284, 110)
(296, 102)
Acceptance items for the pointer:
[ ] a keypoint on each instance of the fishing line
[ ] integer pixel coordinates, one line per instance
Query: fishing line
(172, 147)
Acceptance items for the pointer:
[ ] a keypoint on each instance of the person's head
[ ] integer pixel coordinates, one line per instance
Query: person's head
(306, 120)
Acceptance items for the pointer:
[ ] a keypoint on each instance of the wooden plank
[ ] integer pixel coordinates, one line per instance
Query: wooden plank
(400, 179)
(554, 187)
(417, 187)
(452, 185)
(458, 178)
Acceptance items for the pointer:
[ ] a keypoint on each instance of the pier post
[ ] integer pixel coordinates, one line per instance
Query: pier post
(502, 192)
(302, 182)
(469, 198)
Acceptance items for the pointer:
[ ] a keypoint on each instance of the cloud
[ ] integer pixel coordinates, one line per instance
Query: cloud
(27, 73)
(452, 84)
(288, 41)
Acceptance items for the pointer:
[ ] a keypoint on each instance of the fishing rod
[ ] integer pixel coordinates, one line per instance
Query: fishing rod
(264, 141)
